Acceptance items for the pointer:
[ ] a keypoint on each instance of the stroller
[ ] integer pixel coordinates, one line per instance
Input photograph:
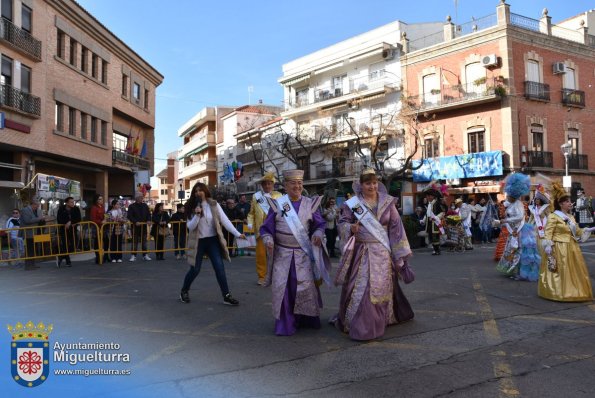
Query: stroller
(455, 234)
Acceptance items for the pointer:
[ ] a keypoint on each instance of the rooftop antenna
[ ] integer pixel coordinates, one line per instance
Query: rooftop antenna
(250, 91)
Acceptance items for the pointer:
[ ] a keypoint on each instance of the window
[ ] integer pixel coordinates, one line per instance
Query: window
(103, 133)
(119, 141)
(301, 97)
(60, 44)
(339, 124)
(59, 117)
(533, 71)
(431, 88)
(93, 129)
(103, 71)
(432, 147)
(25, 79)
(84, 117)
(136, 92)
(71, 121)
(26, 18)
(6, 75)
(377, 71)
(569, 79)
(72, 52)
(338, 85)
(84, 59)
(7, 9)
(164, 192)
(475, 77)
(537, 137)
(146, 99)
(124, 85)
(163, 181)
(574, 142)
(94, 65)
(475, 141)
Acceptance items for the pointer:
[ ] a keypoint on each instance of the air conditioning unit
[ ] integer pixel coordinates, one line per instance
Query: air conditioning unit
(489, 60)
(558, 68)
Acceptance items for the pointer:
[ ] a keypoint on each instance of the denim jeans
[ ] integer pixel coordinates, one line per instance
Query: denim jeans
(179, 242)
(212, 248)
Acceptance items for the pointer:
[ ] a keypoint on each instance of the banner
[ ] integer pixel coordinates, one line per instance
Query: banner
(470, 165)
(57, 187)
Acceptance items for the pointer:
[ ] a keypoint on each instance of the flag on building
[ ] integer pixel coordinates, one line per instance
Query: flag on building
(129, 144)
(143, 151)
(136, 147)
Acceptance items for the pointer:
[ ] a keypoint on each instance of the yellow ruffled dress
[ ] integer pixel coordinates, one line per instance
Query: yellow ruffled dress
(571, 280)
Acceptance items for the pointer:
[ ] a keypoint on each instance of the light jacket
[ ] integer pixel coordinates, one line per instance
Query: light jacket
(193, 236)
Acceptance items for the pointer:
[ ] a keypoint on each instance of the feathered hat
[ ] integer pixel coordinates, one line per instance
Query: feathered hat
(557, 191)
(542, 194)
(268, 176)
(517, 185)
(436, 189)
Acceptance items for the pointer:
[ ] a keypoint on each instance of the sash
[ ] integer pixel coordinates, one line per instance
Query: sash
(369, 221)
(539, 221)
(571, 224)
(262, 202)
(288, 213)
(430, 214)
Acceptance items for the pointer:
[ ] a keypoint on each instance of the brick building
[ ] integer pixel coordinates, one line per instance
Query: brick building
(509, 84)
(78, 102)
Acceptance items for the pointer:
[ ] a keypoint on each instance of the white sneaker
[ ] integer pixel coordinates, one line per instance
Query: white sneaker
(146, 257)
(132, 258)
(178, 257)
(113, 261)
(119, 260)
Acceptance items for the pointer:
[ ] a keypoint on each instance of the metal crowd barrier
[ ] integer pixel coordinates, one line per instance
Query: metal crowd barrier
(110, 241)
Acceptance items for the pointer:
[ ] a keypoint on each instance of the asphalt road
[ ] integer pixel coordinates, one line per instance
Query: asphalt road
(475, 334)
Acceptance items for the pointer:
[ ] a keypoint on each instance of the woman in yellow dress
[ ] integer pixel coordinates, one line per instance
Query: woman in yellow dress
(563, 275)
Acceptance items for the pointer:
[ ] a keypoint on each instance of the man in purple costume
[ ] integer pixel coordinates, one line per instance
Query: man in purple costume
(297, 261)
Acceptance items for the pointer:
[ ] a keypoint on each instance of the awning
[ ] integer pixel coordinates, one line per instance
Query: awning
(329, 108)
(192, 152)
(12, 184)
(295, 80)
(372, 97)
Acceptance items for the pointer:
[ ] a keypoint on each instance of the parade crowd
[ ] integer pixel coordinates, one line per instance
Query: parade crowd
(296, 237)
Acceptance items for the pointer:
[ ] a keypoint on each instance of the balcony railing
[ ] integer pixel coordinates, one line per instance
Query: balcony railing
(573, 97)
(14, 98)
(249, 155)
(539, 159)
(580, 162)
(349, 168)
(21, 39)
(448, 95)
(537, 91)
(197, 167)
(129, 160)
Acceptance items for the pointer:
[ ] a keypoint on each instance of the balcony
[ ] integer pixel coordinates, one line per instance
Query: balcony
(20, 39)
(16, 99)
(456, 96)
(248, 156)
(198, 168)
(349, 168)
(540, 159)
(573, 98)
(580, 162)
(197, 144)
(119, 157)
(537, 91)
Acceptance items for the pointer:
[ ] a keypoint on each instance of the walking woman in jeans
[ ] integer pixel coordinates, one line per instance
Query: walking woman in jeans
(205, 218)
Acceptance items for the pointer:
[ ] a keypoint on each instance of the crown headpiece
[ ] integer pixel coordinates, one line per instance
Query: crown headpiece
(30, 331)
(368, 170)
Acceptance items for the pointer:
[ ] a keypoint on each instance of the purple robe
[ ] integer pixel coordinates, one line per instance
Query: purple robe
(296, 297)
(371, 297)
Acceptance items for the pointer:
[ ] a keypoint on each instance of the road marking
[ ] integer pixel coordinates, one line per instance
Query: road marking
(468, 313)
(548, 318)
(502, 369)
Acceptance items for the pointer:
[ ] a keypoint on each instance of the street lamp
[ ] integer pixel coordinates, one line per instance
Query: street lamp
(566, 151)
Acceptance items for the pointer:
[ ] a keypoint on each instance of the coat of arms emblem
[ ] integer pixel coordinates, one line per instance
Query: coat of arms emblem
(29, 353)
(357, 209)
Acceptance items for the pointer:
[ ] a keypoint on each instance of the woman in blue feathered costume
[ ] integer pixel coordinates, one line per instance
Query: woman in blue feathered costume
(521, 258)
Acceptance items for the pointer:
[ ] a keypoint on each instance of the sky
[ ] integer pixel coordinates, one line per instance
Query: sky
(211, 52)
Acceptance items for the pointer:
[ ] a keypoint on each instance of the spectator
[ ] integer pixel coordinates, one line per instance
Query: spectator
(31, 216)
(159, 229)
(116, 216)
(244, 207)
(97, 215)
(234, 214)
(419, 217)
(15, 242)
(69, 215)
(331, 216)
(178, 225)
(584, 209)
(139, 216)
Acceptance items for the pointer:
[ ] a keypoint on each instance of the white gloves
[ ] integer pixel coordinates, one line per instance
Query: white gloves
(548, 250)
